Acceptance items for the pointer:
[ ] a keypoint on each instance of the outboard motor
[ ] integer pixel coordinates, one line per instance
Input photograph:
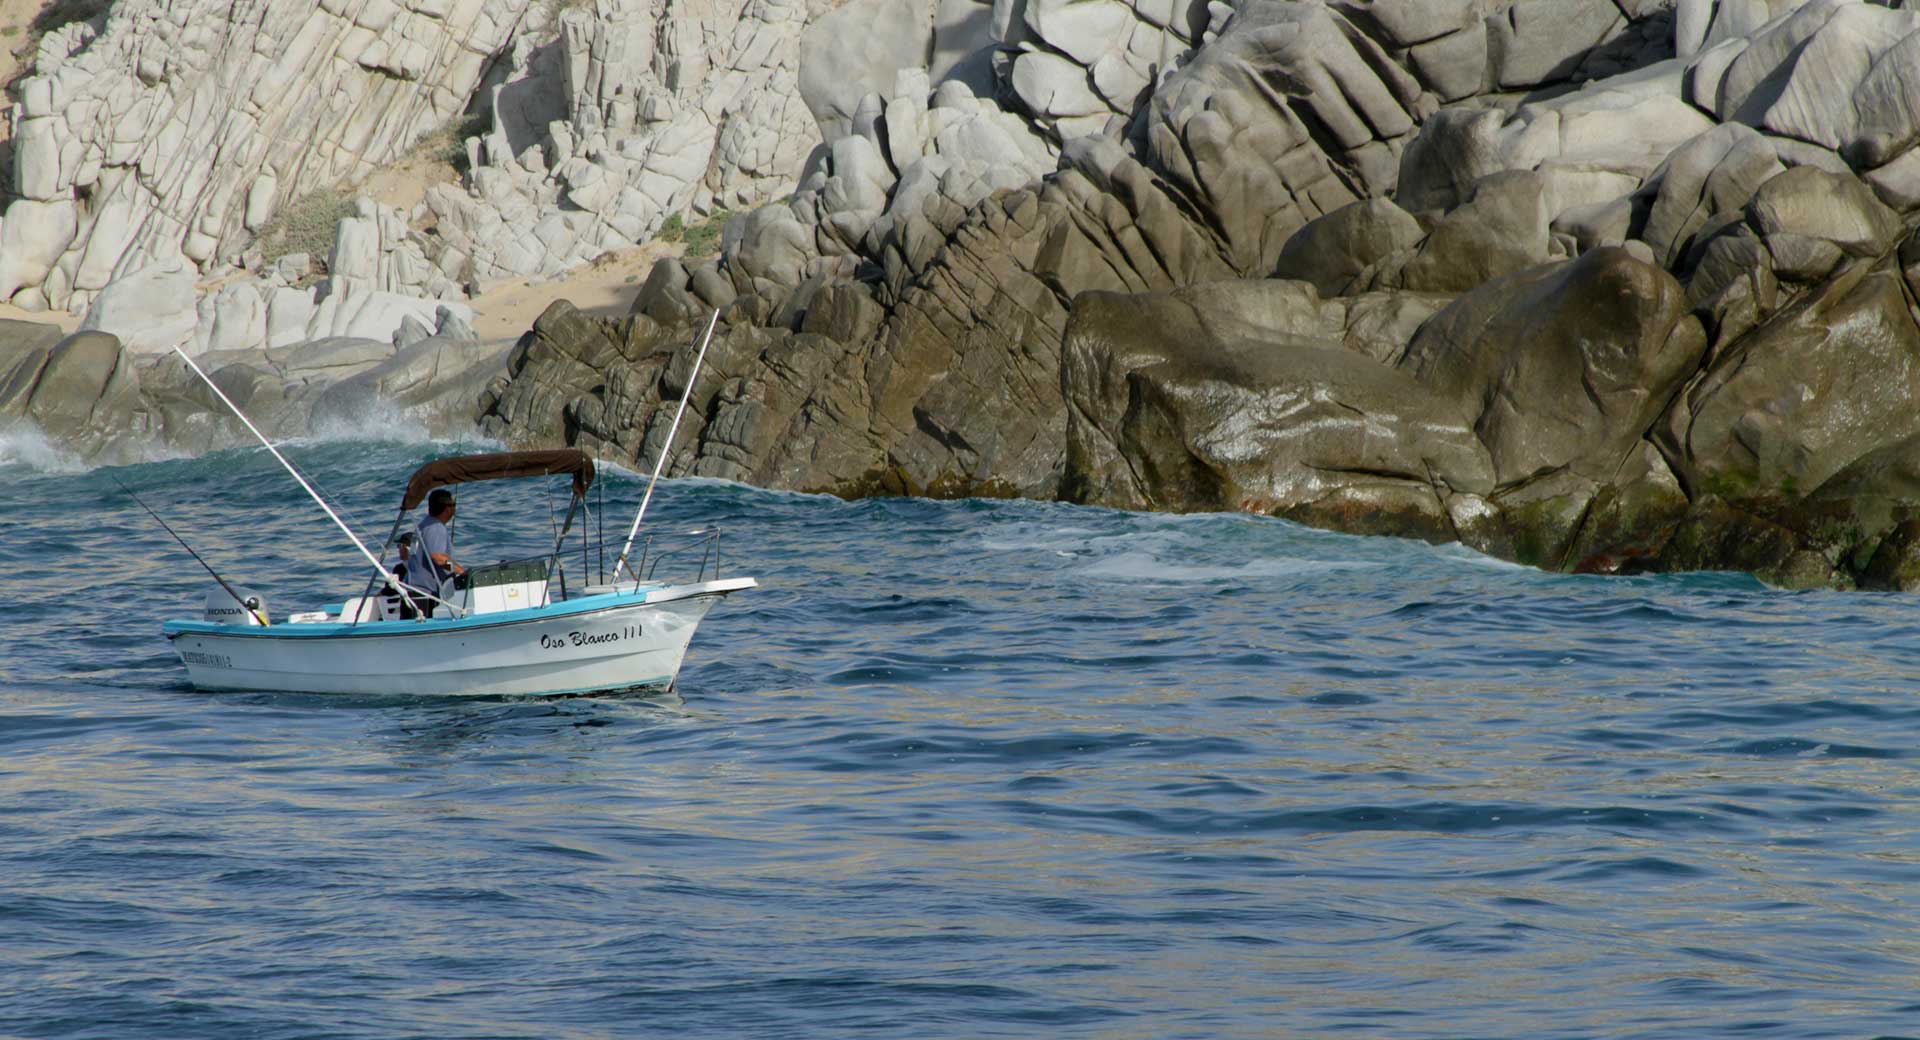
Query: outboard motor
(223, 609)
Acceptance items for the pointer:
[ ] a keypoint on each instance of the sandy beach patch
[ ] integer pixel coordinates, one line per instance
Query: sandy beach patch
(604, 286)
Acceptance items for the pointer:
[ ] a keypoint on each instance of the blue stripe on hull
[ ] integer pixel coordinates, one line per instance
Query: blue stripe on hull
(319, 630)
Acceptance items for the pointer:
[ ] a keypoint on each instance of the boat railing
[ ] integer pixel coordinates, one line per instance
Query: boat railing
(681, 547)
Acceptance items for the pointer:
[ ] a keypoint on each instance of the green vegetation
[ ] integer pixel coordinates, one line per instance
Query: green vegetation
(701, 239)
(307, 225)
(449, 143)
(1732, 485)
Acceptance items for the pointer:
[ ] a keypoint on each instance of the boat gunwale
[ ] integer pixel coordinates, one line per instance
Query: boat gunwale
(584, 607)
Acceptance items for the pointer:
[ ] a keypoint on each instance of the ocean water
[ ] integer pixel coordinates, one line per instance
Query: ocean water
(967, 769)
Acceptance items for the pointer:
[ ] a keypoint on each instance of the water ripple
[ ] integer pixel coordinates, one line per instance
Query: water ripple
(966, 769)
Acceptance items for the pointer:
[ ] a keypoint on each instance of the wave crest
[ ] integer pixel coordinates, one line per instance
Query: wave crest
(25, 445)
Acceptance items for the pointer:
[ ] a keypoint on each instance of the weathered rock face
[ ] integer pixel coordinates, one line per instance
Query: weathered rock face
(1656, 321)
(1563, 366)
(156, 144)
(1075, 66)
(72, 388)
(1789, 405)
(1262, 165)
(953, 389)
(921, 209)
(1605, 435)
(165, 135)
(639, 111)
(1170, 407)
(1509, 413)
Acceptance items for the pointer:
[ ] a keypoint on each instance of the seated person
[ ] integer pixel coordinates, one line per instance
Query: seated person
(433, 569)
(404, 605)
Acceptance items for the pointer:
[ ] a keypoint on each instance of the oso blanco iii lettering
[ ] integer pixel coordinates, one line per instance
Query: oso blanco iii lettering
(578, 638)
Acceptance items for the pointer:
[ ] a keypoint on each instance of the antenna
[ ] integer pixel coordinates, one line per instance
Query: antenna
(665, 451)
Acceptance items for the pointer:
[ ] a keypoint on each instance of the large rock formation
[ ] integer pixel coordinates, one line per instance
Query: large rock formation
(161, 148)
(164, 135)
(639, 111)
(1601, 284)
(954, 217)
(1583, 284)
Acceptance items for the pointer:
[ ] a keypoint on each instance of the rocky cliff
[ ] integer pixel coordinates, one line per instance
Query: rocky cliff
(1580, 283)
(184, 175)
(163, 148)
(152, 143)
(1590, 284)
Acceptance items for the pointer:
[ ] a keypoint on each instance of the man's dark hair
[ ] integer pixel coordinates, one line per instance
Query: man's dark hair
(439, 501)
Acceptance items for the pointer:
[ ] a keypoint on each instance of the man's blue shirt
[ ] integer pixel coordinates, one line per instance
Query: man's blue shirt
(422, 572)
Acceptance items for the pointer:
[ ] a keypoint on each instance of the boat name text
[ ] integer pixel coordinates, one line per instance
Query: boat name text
(210, 660)
(578, 638)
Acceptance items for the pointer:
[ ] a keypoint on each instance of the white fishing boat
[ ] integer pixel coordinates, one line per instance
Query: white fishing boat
(510, 628)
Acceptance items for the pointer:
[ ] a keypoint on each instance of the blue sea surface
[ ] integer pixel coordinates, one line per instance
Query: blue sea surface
(957, 769)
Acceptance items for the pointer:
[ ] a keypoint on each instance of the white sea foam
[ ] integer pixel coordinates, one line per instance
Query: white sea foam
(24, 444)
(382, 421)
(1458, 553)
(1026, 536)
(378, 421)
(1135, 566)
(641, 478)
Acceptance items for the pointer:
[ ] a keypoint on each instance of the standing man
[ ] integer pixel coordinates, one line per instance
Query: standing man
(434, 564)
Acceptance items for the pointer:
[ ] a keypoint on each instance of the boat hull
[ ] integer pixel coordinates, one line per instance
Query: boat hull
(600, 643)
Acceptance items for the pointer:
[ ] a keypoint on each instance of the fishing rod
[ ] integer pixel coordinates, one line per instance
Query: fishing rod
(294, 471)
(666, 450)
(332, 499)
(250, 605)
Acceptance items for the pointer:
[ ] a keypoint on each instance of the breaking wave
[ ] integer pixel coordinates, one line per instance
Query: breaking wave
(381, 422)
(1152, 567)
(26, 445)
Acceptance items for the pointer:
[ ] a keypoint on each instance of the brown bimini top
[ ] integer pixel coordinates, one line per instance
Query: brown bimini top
(500, 465)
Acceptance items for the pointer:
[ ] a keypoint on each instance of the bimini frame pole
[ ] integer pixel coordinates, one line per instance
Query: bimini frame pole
(255, 430)
(560, 541)
(374, 581)
(666, 450)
